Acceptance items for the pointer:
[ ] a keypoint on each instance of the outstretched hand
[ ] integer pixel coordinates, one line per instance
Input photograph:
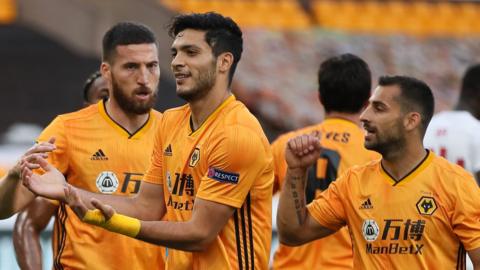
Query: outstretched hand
(49, 185)
(76, 203)
(303, 151)
(37, 151)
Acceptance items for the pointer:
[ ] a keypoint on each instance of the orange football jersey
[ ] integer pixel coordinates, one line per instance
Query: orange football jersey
(96, 154)
(342, 142)
(424, 221)
(226, 160)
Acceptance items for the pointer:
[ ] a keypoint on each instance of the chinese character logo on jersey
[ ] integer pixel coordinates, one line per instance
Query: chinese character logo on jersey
(194, 158)
(370, 230)
(426, 206)
(107, 182)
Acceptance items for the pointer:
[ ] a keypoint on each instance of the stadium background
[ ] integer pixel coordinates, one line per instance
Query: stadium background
(49, 47)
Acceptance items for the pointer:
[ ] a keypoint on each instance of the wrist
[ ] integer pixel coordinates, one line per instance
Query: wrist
(296, 172)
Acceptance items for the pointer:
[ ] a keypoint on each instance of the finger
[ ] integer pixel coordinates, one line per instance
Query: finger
(45, 165)
(305, 144)
(75, 201)
(52, 140)
(292, 144)
(107, 210)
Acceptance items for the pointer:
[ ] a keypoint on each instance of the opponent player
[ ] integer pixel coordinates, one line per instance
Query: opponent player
(423, 212)
(344, 88)
(211, 171)
(454, 135)
(104, 148)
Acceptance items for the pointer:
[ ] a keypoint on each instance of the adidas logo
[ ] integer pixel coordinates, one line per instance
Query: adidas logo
(366, 204)
(168, 151)
(99, 155)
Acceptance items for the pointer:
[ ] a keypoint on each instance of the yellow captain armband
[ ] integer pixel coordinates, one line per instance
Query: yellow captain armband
(124, 225)
(117, 223)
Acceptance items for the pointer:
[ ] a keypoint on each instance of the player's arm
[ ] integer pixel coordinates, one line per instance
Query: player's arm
(26, 234)
(295, 225)
(13, 195)
(477, 177)
(147, 204)
(208, 218)
(475, 257)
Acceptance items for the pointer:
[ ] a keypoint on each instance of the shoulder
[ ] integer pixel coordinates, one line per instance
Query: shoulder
(448, 170)
(79, 116)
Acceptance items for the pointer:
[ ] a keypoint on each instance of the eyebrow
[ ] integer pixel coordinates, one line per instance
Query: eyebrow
(186, 47)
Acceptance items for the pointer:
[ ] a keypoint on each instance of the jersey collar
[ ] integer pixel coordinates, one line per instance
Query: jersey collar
(212, 116)
(135, 135)
(412, 174)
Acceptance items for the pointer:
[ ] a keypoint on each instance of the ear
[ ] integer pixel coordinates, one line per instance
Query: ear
(224, 62)
(412, 120)
(106, 71)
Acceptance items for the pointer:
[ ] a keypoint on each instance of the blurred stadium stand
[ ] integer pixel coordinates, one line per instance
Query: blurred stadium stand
(49, 47)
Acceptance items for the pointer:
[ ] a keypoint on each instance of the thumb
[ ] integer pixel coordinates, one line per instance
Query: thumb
(106, 209)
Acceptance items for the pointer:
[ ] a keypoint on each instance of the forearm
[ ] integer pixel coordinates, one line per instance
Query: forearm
(126, 205)
(27, 246)
(292, 210)
(178, 235)
(13, 195)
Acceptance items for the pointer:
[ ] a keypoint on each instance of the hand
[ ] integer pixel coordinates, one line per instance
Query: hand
(75, 202)
(49, 185)
(39, 150)
(303, 151)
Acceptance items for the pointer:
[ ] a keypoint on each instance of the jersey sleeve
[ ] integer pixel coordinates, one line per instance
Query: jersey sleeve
(328, 209)
(279, 163)
(235, 160)
(154, 172)
(59, 157)
(466, 212)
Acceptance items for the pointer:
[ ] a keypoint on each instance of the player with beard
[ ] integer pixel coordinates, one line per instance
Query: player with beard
(409, 210)
(103, 148)
(211, 171)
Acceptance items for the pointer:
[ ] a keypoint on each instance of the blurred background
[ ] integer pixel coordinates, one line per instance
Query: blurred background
(48, 48)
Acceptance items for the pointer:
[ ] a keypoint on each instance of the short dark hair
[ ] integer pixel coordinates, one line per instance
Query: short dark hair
(88, 84)
(344, 83)
(222, 34)
(125, 33)
(471, 83)
(415, 95)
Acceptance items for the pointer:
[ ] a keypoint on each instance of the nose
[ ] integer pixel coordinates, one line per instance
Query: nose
(364, 116)
(143, 76)
(177, 62)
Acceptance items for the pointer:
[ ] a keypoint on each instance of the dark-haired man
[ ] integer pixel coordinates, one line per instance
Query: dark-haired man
(455, 134)
(104, 148)
(95, 89)
(211, 171)
(344, 85)
(409, 210)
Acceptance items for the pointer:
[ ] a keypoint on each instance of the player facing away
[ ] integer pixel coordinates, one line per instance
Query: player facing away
(211, 172)
(104, 148)
(454, 134)
(409, 210)
(344, 88)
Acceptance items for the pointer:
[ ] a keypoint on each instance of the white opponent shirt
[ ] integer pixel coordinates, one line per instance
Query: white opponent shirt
(455, 135)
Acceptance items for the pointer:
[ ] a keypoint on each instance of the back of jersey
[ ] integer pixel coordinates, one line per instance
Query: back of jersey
(454, 135)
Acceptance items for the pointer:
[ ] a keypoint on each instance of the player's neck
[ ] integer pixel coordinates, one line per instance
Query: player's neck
(404, 160)
(204, 107)
(129, 121)
(355, 118)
